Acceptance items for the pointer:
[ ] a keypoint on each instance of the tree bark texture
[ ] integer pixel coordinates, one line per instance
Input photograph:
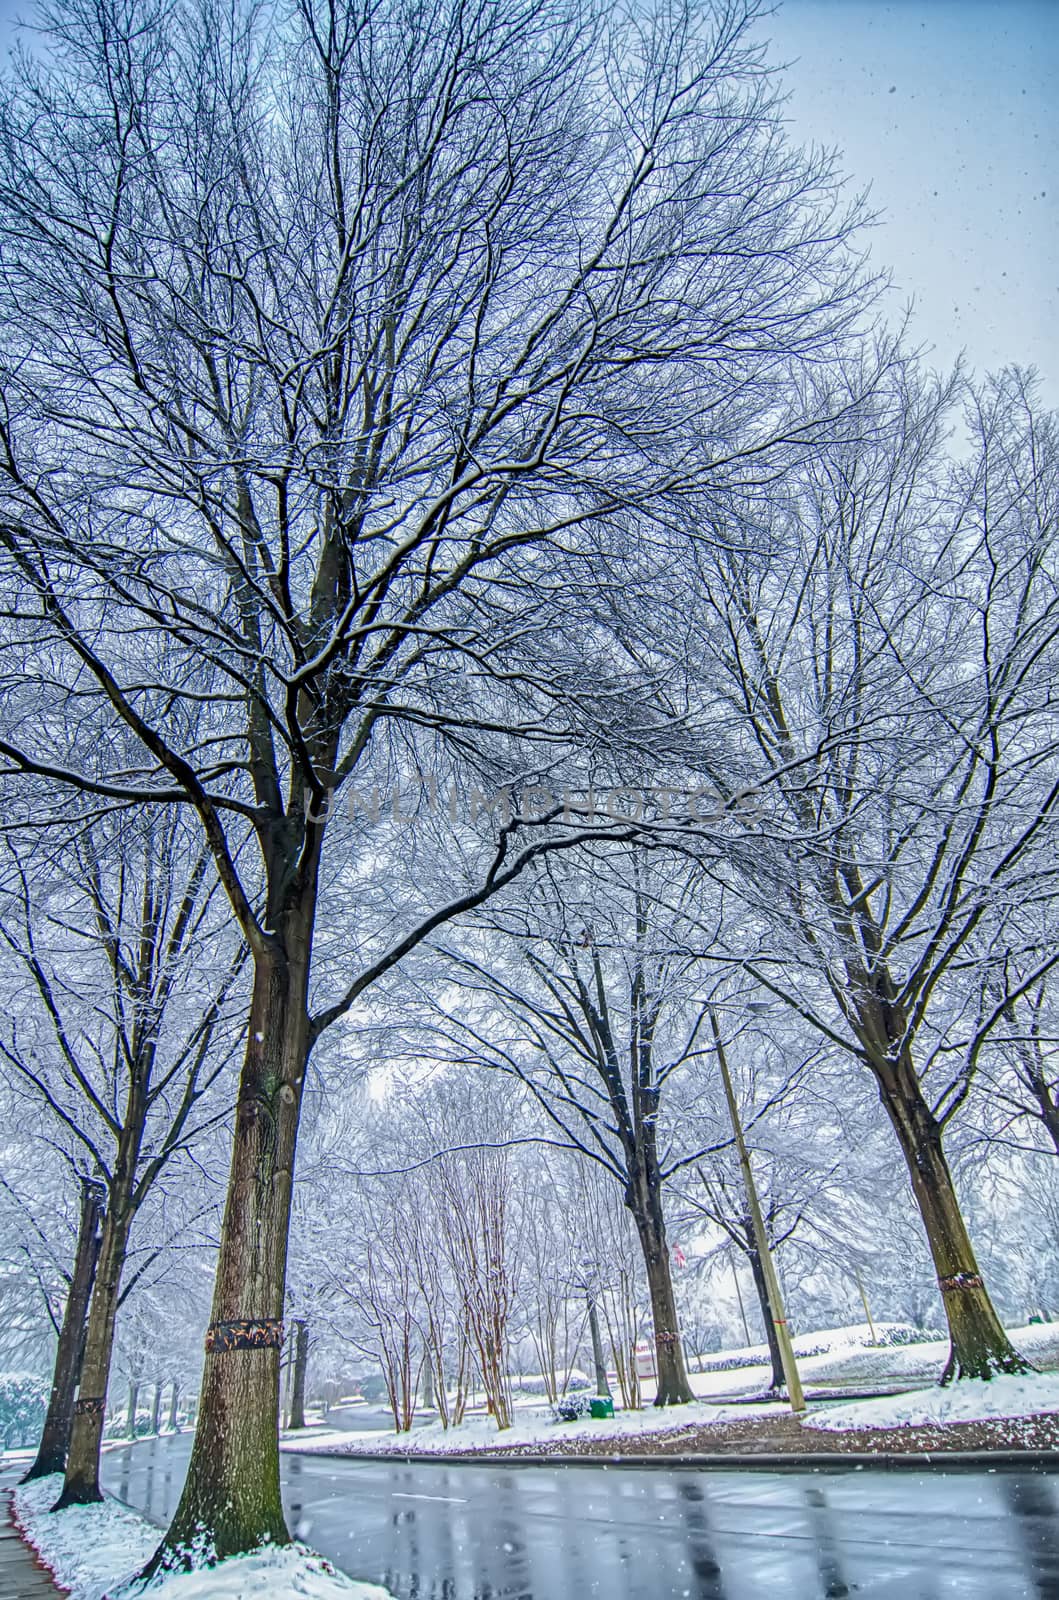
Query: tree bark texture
(58, 1423)
(598, 1360)
(645, 1202)
(300, 1361)
(81, 1484)
(231, 1495)
(979, 1347)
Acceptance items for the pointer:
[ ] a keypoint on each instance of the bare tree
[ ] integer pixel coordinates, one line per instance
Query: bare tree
(550, 1299)
(592, 1006)
(300, 1360)
(883, 676)
(117, 1037)
(70, 1343)
(328, 342)
(1018, 1073)
(724, 1202)
(475, 1191)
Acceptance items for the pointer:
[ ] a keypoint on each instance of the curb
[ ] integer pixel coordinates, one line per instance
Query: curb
(764, 1461)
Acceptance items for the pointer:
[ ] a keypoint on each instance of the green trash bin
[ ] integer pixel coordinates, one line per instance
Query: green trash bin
(603, 1406)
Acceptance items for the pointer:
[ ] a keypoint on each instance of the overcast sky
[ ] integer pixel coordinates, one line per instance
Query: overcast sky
(945, 109)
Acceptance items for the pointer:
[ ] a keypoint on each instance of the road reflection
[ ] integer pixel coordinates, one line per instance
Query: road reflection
(578, 1533)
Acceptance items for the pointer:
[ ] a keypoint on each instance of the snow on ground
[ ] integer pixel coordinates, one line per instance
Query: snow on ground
(530, 1426)
(848, 1357)
(845, 1356)
(970, 1400)
(96, 1550)
(88, 1548)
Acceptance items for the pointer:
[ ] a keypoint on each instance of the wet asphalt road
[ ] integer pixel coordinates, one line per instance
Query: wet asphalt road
(554, 1533)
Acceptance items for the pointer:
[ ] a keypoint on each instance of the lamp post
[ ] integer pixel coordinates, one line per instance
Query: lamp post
(775, 1296)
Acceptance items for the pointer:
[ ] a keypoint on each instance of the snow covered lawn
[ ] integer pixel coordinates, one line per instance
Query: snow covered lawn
(531, 1426)
(94, 1551)
(968, 1401)
(847, 1356)
(842, 1356)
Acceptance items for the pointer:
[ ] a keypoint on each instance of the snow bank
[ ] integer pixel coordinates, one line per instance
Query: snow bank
(89, 1548)
(970, 1400)
(94, 1551)
(290, 1574)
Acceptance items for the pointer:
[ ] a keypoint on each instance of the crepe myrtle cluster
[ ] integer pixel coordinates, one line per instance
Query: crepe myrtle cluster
(537, 803)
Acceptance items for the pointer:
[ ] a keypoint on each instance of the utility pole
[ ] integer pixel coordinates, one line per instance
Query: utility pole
(775, 1296)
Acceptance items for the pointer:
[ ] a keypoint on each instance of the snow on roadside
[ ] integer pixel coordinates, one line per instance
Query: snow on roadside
(94, 1551)
(970, 1400)
(89, 1548)
(529, 1427)
(845, 1355)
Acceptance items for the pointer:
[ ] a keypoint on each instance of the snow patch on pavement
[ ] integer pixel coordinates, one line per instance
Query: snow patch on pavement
(95, 1551)
(969, 1400)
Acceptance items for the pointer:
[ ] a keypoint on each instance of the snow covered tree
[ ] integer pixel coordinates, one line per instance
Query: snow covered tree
(126, 977)
(330, 340)
(882, 675)
(586, 994)
(70, 1343)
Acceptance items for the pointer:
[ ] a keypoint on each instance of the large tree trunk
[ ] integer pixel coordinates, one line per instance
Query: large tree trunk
(301, 1361)
(979, 1347)
(231, 1495)
(81, 1485)
(645, 1202)
(779, 1381)
(58, 1424)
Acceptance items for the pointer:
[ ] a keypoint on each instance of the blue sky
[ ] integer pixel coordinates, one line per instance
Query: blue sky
(941, 108)
(946, 109)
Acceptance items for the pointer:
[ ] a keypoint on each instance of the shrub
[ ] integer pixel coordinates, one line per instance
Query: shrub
(571, 1407)
(23, 1403)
